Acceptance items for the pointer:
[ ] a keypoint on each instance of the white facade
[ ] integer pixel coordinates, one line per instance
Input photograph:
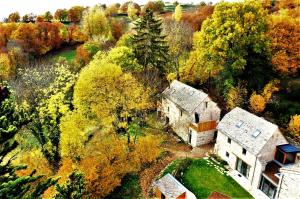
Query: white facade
(246, 153)
(183, 106)
(289, 182)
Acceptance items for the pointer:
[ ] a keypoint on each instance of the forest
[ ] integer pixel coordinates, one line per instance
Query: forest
(79, 87)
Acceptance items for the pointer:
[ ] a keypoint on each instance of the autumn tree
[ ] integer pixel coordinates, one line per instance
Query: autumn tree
(13, 117)
(177, 13)
(95, 24)
(236, 97)
(133, 11)
(154, 6)
(285, 34)
(149, 44)
(5, 67)
(48, 16)
(294, 126)
(74, 188)
(14, 17)
(101, 79)
(75, 13)
(231, 44)
(112, 9)
(61, 15)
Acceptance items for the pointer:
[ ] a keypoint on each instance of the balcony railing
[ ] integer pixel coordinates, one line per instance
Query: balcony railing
(204, 126)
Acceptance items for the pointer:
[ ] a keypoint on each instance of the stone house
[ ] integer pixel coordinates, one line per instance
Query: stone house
(255, 151)
(169, 188)
(190, 112)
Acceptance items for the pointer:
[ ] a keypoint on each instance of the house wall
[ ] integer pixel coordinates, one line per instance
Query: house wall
(289, 185)
(180, 123)
(236, 151)
(201, 138)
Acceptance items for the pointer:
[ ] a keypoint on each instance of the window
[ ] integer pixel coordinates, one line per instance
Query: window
(268, 188)
(180, 112)
(206, 104)
(239, 124)
(244, 151)
(256, 133)
(168, 109)
(243, 168)
(196, 118)
(227, 154)
(163, 196)
(229, 140)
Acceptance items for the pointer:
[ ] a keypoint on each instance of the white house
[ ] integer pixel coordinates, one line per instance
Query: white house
(190, 112)
(169, 188)
(248, 143)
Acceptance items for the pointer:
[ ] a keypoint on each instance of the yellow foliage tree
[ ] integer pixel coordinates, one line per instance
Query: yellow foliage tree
(269, 89)
(236, 96)
(95, 24)
(178, 13)
(147, 149)
(105, 93)
(5, 67)
(132, 11)
(257, 103)
(294, 126)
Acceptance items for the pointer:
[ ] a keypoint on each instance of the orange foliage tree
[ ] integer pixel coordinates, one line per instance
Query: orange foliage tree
(294, 126)
(285, 34)
(257, 103)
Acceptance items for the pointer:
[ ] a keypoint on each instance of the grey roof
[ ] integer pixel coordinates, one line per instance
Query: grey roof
(186, 97)
(247, 129)
(292, 167)
(170, 187)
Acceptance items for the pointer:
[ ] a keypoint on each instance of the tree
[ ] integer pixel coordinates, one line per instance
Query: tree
(284, 32)
(107, 94)
(294, 126)
(154, 6)
(5, 67)
(178, 13)
(14, 17)
(257, 103)
(149, 45)
(133, 10)
(75, 13)
(124, 57)
(112, 9)
(95, 23)
(48, 16)
(61, 14)
(179, 39)
(232, 43)
(74, 188)
(13, 117)
(236, 96)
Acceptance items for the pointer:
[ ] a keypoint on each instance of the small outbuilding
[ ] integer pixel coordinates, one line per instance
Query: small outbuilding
(169, 188)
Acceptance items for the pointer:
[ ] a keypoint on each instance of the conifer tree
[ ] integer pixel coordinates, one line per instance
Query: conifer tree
(12, 118)
(149, 45)
(74, 188)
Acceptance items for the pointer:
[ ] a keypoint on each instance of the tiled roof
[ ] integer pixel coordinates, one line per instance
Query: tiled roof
(247, 129)
(170, 187)
(186, 97)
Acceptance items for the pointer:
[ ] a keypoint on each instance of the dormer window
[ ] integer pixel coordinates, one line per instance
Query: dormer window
(239, 124)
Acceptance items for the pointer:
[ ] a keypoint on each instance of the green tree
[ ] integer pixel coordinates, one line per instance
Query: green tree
(149, 45)
(13, 117)
(73, 189)
(233, 44)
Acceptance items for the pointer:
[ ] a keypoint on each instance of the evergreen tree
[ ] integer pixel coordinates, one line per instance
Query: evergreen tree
(149, 45)
(12, 118)
(74, 189)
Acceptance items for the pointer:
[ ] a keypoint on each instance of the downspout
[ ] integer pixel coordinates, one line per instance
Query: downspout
(279, 186)
(254, 171)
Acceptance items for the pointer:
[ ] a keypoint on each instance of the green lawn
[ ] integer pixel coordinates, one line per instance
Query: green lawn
(202, 179)
(69, 55)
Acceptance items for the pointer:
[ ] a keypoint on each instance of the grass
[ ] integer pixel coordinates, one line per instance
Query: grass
(202, 179)
(69, 55)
